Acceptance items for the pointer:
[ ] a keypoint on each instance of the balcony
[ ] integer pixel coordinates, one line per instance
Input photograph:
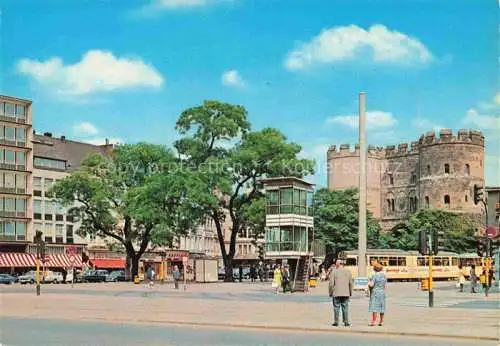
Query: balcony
(13, 119)
(13, 143)
(12, 166)
(13, 190)
(286, 247)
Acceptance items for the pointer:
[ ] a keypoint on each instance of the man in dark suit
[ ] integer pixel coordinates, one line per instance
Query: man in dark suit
(340, 289)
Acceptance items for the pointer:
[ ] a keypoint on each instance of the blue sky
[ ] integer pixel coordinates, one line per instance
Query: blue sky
(126, 69)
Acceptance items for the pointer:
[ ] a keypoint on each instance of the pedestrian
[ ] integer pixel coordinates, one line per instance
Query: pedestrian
(240, 272)
(340, 290)
(377, 285)
(261, 273)
(267, 270)
(277, 278)
(252, 273)
(461, 278)
(473, 278)
(177, 275)
(285, 279)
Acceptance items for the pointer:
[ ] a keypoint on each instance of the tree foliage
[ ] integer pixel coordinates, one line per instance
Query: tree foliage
(217, 141)
(136, 196)
(336, 215)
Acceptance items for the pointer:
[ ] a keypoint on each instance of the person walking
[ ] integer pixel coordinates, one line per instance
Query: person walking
(461, 278)
(176, 273)
(252, 273)
(285, 279)
(340, 290)
(266, 273)
(277, 278)
(378, 285)
(473, 278)
(240, 272)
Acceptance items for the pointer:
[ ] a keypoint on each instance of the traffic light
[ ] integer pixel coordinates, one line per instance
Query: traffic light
(478, 194)
(261, 253)
(480, 247)
(38, 237)
(423, 243)
(437, 242)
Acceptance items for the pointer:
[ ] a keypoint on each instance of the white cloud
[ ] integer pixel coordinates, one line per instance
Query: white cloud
(496, 99)
(374, 120)
(423, 124)
(232, 78)
(482, 121)
(352, 42)
(155, 7)
(85, 129)
(102, 141)
(97, 71)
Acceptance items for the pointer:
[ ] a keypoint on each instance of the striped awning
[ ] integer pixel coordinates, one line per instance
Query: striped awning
(11, 259)
(62, 261)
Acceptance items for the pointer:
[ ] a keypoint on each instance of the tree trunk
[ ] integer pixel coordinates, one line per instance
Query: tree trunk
(135, 266)
(228, 265)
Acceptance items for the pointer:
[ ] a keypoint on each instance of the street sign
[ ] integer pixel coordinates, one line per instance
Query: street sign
(492, 232)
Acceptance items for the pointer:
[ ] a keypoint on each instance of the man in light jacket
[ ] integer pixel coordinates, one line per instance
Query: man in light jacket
(340, 289)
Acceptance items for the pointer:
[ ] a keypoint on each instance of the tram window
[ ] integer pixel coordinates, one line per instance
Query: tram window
(384, 261)
(373, 260)
(422, 261)
(446, 261)
(393, 261)
(454, 261)
(437, 261)
(402, 261)
(350, 262)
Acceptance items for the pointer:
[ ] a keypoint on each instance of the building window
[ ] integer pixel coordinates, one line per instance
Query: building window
(69, 234)
(428, 169)
(20, 111)
(20, 230)
(20, 135)
(49, 207)
(49, 163)
(467, 169)
(37, 182)
(47, 232)
(446, 168)
(10, 109)
(37, 193)
(10, 157)
(466, 198)
(37, 206)
(10, 133)
(427, 204)
(391, 179)
(413, 178)
(21, 158)
(2, 107)
(20, 205)
(447, 201)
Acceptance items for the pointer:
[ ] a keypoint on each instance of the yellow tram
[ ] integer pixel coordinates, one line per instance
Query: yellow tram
(406, 265)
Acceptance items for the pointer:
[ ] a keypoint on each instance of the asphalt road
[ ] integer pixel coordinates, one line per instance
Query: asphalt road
(39, 332)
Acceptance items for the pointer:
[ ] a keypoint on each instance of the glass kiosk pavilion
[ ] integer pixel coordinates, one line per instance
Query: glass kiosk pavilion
(289, 227)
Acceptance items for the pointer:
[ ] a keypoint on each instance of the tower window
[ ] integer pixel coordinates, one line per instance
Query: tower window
(428, 169)
(466, 198)
(467, 169)
(413, 178)
(392, 204)
(446, 168)
(391, 179)
(447, 201)
(427, 201)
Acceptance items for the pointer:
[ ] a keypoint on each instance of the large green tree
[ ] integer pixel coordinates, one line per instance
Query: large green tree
(336, 215)
(217, 141)
(458, 229)
(136, 196)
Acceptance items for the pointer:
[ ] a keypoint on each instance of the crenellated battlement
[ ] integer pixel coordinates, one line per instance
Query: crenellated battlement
(445, 136)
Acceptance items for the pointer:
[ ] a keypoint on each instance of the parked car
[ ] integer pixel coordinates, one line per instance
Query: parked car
(95, 276)
(58, 278)
(246, 273)
(116, 276)
(7, 279)
(50, 277)
(29, 277)
(221, 273)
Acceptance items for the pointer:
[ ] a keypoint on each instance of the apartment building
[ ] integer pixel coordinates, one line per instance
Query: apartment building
(16, 165)
(53, 159)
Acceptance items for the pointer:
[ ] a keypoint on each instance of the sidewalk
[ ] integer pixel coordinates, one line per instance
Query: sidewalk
(293, 312)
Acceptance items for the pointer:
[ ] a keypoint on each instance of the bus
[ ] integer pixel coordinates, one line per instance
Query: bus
(400, 265)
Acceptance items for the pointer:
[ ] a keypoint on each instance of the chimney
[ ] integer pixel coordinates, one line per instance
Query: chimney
(63, 138)
(47, 134)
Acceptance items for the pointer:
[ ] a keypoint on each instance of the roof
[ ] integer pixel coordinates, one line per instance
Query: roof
(285, 179)
(60, 148)
(14, 99)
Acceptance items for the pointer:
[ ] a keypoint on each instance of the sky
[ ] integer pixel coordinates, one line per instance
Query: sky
(125, 70)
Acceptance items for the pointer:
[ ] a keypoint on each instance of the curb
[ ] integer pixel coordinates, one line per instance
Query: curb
(300, 329)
